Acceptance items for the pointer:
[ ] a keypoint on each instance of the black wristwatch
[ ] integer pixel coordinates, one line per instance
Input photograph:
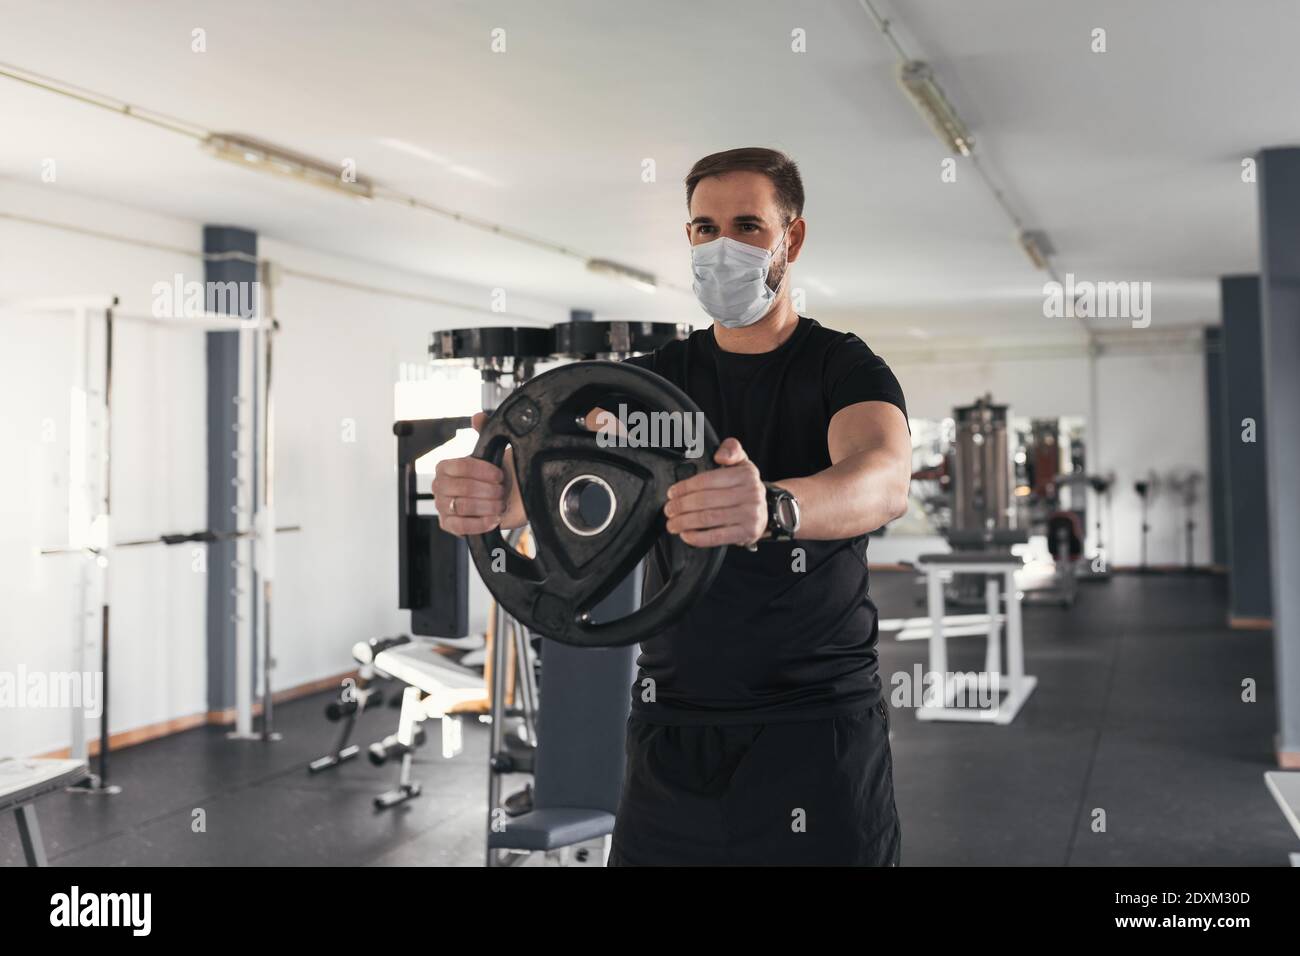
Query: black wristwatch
(782, 513)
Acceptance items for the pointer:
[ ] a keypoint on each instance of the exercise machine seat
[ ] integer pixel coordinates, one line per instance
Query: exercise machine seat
(581, 727)
(552, 828)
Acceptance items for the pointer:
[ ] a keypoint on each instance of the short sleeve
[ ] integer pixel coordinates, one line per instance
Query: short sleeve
(855, 374)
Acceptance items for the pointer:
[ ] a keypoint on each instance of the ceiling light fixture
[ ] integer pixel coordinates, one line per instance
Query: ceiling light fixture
(272, 159)
(1037, 247)
(918, 80)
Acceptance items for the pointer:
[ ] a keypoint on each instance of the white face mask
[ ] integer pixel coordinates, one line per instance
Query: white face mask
(731, 280)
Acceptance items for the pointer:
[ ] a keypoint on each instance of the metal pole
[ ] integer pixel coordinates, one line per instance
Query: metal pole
(498, 711)
(244, 601)
(266, 541)
(1093, 427)
(107, 556)
(527, 685)
(205, 536)
(78, 506)
(98, 783)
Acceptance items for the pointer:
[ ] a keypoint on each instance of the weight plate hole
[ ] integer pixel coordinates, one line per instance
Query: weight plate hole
(587, 505)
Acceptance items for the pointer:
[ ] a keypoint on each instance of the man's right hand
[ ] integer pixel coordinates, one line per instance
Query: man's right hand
(473, 496)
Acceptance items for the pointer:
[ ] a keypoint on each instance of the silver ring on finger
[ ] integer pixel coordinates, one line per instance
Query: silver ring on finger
(451, 508)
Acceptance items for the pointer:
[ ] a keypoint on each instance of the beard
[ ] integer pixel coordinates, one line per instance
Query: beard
(779, 277)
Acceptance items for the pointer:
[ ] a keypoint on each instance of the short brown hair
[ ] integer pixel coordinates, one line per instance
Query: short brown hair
(775, 165)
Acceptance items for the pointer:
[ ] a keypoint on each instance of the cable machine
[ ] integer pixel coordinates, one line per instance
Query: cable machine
(90, 501)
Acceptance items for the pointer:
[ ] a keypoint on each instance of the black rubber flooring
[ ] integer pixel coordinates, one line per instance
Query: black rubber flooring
(1138, 715)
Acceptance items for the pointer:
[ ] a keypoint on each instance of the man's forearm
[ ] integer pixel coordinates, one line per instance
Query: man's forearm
(855, 496)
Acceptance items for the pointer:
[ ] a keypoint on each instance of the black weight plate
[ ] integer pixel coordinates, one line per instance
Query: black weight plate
(493, 342)
(576, 567)
(589, 339)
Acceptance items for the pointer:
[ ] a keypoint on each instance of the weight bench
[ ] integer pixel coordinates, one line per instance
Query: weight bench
(943, 703)
(578, 777)
(22, 782)
(354, 698)
(437, 689)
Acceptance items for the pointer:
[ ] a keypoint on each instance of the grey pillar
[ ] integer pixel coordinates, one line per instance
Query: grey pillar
(224, 247)
(1217, 428)
(1250, 588)
(1279, 268)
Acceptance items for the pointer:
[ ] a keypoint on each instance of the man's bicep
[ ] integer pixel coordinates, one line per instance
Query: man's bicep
(869, 426)
(854, 373)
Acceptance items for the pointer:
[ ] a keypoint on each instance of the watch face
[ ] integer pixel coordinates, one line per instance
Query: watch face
(785, 512)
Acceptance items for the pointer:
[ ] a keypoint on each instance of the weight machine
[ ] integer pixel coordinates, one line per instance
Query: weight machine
(433, 565)
(981, 565)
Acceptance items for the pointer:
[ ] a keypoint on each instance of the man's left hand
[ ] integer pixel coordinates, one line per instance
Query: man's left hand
(726, 505)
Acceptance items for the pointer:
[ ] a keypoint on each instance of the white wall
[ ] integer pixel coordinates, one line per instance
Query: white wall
(159, 467)
(337, 362)
(337, 358)
(1153, 416)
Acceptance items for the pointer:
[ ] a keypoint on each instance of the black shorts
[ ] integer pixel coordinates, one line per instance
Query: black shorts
(813, 792)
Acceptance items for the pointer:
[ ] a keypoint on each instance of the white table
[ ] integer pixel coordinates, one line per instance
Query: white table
(945, 702)
(22, 782)
(1285, 787)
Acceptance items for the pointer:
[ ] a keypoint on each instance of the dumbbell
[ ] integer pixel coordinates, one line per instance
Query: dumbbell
(365, 652)
(381, 751)
(360, 699)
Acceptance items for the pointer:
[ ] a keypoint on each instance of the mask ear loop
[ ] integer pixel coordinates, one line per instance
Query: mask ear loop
(784, 233)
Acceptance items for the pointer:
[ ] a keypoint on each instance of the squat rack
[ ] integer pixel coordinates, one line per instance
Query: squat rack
(90, 498)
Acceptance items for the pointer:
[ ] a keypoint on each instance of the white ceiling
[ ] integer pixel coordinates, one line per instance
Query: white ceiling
(1130, 160)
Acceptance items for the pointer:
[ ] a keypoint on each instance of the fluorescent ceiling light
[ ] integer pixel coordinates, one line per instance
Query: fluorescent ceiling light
(272, 159)
(1037, 247)
(616, 270)
(917, 79)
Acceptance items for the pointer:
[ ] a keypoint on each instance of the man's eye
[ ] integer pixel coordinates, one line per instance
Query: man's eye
(748, 227)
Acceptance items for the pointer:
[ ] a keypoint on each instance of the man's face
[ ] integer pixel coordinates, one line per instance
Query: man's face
(739, 205)
(743, 206)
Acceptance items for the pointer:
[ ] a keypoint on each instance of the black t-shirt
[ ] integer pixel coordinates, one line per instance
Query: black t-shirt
(787, 632)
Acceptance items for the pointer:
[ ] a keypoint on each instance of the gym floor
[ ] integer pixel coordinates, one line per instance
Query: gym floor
(1138, 712)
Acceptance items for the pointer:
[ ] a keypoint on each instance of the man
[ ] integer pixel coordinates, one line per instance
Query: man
(759, 730)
